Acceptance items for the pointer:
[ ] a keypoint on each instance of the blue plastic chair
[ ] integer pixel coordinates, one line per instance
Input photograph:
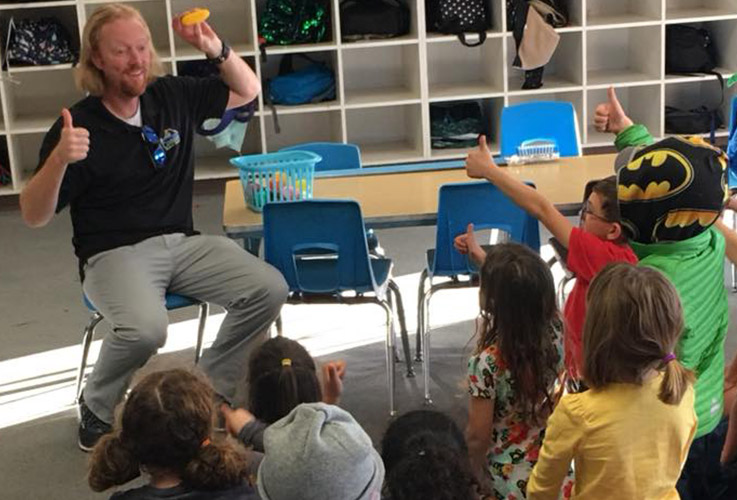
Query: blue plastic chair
(173, 301)
(335, 155)
(540, 120)
(320, 248)
(486, 207)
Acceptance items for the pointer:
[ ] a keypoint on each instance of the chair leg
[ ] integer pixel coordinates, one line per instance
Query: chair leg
(426, 343)
(204, 311)
(89, 335)
(390, 300)
(420, 315)
(279, 326)
(390, 356)
(402, 328)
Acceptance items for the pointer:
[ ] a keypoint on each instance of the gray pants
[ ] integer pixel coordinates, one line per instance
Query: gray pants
(127, 285)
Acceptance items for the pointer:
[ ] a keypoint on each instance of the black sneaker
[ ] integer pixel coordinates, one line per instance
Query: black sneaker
(91, 428)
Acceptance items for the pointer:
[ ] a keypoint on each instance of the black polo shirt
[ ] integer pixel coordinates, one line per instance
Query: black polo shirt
(116, 195)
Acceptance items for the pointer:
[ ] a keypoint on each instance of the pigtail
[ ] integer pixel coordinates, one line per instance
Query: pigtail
(216, 466)
(112, 464)
(675, 382)
(287, 388)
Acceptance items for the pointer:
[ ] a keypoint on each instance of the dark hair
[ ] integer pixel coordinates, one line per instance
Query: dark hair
(166, 424)
(518, 313)
(633, 321)
(607, 191)
(281, 375)
(425, 456)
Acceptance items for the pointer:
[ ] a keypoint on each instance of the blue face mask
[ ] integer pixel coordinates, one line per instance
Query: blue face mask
(230, 130)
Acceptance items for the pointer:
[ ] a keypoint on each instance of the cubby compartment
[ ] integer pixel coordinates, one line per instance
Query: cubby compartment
(155, 14)
(641, 103)
(201, 68)
(565, 69)
(681, 10)
(691, 95)
(328, 42)
(458, 72)
(381, 75)
(213, 163)
(491, 110)
(6, 175)
(303, 127)
(623, 55)
(496, 12)
(601, 13)
(389, 134)
(231, 20)
(274, 64)
(35, 98)
(574, 97)
(25, 150)
(411, 37)
(724, 38)
(65, 15)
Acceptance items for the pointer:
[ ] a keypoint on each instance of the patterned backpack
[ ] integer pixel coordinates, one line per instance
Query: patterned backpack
(458, 17)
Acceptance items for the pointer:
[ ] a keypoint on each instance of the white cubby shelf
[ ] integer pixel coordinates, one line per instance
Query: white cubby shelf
(384, 88)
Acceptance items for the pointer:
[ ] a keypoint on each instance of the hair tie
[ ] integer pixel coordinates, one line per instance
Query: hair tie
(206, 442)
(669, 357)
(286, 362)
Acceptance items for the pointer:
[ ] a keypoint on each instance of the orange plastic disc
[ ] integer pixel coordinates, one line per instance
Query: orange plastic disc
(195, 16)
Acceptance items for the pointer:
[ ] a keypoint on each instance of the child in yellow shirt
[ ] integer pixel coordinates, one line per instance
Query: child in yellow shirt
(629, 434)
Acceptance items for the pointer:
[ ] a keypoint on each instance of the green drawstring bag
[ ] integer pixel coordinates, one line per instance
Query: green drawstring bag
(287, 22)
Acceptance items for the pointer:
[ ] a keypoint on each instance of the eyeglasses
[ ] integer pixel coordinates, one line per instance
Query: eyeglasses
(158, 156)
(586, 211)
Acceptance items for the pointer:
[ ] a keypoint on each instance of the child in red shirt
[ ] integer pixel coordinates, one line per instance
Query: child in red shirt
(598, 241)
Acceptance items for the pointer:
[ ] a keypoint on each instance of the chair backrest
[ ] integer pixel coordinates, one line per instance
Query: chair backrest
(540, 120)
(485, 206)
(335, 155)
(318, 245)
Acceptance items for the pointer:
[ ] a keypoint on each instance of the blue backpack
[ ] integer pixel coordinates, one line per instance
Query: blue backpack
(313, 83)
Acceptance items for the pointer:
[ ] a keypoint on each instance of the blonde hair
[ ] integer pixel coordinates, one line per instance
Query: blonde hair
(633, 321)
(86, 75)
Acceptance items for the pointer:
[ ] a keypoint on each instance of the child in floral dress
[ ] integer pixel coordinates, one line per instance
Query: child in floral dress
(514, 371)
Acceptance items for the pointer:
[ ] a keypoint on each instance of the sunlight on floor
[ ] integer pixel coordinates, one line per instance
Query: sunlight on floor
(43, 383)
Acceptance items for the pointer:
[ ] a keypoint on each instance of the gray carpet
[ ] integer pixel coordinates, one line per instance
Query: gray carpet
(41, 311)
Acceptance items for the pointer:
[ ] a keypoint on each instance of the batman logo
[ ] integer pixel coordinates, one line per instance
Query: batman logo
(676, 220)
(655, 175)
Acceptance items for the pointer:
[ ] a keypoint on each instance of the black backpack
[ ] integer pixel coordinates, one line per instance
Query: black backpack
(456, 124)
(370, 19)
(689, 50)
(692, 50)
(458, 17)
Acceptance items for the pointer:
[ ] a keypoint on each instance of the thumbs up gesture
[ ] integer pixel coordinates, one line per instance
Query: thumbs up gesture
(479, 161)
(74, 143)
(466, 243)
(609, 116)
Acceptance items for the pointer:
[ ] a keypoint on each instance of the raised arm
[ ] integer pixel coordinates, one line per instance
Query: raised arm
(480, 165)
(730, 238)
(40, 196)
(238, 76)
